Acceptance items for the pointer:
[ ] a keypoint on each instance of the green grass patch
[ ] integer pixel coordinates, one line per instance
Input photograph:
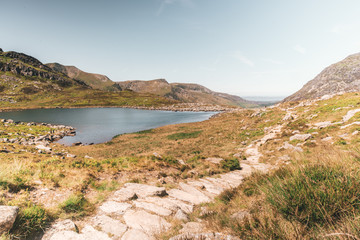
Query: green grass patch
(230, 164)
(184, 135)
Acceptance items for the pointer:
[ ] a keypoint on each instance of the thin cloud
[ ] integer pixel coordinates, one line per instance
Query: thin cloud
(300, 49)
(239, 56)
(269, 60)
(165, 3)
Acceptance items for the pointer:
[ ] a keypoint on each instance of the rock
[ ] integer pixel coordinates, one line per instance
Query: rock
(301, 137)
(156, 155)
(8, 215)
(181, 215)
(204, 236)
(327, 139)
(170, 203)
(185, 196)
(65, 235)
(153, 208)
(214, 160)
(143, 190)
(350, 114)
(124, 194)
(1, 51)
(321, 125)
(77, 144)
(288, 117)
(193, 191)
(109, 225)
(149, 223)
(135, 234)
(241, 215)
(60, 226)
(43, 148)
(70, 155)
(111, 207)
(192, 227)
(89, 233)
(291, 147)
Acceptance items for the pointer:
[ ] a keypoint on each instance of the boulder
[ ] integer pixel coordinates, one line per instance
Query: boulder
(7, 217)
(43, 148)
(181, 215)
(301, 137)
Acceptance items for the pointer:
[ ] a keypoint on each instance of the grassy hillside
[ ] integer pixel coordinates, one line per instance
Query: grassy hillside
(185, 92)
(96, 81)
(26, 83)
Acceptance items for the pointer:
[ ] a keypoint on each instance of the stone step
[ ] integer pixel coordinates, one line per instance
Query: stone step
(158, 210)
(109, 225)
(193, 191)
(149, 223)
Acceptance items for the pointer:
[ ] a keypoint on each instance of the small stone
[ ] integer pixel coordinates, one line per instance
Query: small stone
(7, 217)
(70, 155)
(241, 215)
(214, 160)
(181, 215)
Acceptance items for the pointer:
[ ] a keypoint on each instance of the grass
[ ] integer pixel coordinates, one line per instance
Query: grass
(184, 135)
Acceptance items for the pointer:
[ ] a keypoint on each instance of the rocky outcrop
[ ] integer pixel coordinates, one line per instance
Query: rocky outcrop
(343, 76)
(24, 65)
(7, 218)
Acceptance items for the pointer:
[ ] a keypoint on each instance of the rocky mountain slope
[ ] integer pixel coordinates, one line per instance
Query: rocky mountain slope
(184, 92)
(343, 76)
(25, 82)
(96, 81)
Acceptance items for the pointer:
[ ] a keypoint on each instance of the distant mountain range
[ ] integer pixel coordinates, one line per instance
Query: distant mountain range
(343, 76)
(184, 92)
(23, 76)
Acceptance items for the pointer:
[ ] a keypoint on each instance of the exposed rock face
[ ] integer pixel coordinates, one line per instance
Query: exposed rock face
(343, 76)
(7, 217)
(24, 65)
(184, 92)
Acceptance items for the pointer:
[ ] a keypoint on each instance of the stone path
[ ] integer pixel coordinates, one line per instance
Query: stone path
(140, 211)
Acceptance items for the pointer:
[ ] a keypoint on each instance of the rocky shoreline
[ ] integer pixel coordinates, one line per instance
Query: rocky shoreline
(56, 133)
(181, 107)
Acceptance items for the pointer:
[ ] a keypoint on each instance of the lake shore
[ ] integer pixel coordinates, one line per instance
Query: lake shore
(182, 107)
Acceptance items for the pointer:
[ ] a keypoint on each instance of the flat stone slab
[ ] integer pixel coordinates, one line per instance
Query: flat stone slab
(184, 196)
(301, 137)
(89, 233)
(214, 160)
(158, 210)
(149, 223)
(204, 236)
(192, 227)
(193, 191)
(135, 234)
(60, 226)
(111, 207)
(143, 190)
(7, 217)
(109, 225)
(124, 194)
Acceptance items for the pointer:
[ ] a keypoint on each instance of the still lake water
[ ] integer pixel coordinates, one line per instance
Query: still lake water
(97, 125)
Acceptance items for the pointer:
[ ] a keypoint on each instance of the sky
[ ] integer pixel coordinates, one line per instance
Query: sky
(243, 47)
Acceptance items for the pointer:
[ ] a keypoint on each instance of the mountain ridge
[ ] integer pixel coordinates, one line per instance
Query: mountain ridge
(343, 76)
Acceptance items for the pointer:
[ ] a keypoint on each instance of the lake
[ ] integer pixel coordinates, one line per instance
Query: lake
(98, 125)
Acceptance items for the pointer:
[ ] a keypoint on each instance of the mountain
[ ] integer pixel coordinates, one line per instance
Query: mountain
(343, 76)
(25, 82)
(184, 92)
(96, 81)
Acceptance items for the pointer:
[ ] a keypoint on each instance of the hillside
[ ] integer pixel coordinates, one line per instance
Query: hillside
(96, 81)
(25, 82)
(343, 76)
(285, 172)
(184, 92)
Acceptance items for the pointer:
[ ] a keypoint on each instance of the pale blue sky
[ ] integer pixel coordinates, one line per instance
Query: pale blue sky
(253, 47)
